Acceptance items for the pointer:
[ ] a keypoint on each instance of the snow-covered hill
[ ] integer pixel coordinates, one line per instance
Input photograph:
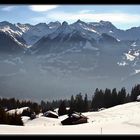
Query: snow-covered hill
(121, 119)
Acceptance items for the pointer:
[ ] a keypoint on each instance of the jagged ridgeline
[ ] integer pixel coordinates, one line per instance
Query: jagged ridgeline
(58, 59)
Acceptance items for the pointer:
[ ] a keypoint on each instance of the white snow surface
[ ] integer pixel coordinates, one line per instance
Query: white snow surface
(133, 44)
(110, 31)
(12, 33)
(138, 98)
(52, 112)
(22, 27)
(121, 119)
(89, 29)
(18, 110)
(129, 57)
(136, 53)
(122, 63)
(118, 40)
(137, 71)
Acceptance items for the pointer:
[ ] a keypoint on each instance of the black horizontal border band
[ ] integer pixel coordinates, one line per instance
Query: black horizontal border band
(81, 2)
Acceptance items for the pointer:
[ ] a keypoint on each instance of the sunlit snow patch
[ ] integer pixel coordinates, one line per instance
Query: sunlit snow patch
(133, 44)
(137, 71)
(136, 53)
(18, 110)
(122, 63)
(129, 57)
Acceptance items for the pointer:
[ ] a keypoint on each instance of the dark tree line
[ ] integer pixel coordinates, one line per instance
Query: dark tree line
(12, 103)
(135, 92)
(101, 99)
(51, 105)
(11, 119)
(79, 103)
(108, 98)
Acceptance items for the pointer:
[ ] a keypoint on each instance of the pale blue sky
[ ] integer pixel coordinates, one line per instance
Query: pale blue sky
(122, 16)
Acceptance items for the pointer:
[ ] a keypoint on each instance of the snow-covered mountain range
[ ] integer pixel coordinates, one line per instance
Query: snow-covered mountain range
(82, 55)
(29, 34)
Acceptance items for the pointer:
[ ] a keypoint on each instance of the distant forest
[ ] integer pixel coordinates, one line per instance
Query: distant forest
(100, 99)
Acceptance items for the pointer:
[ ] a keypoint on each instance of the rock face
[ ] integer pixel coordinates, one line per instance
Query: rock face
(9, 44)
(70, 57)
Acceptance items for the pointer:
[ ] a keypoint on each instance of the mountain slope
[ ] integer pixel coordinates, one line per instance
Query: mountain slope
(38, 31)
(9, 44)
(124, 117)
(78, 57)
(13, 31)
(29, 34)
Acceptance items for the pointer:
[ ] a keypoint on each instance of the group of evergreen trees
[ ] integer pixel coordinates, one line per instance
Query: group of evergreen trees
(135, 92)
(51, 105)
(101, 99)
(79, 104)
(11, 119)
(12, 103)
(108, 98)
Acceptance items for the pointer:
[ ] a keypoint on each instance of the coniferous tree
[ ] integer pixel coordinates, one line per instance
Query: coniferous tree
(43, 106)
(2, 116)
(121, 96)
(79, 103)
(36, 108)
(14, 119)
(95, 100)
(114, 97)
(62, 109)
(86, 107)
(107, 98)
(27, 112)
(135, 92)
(72, 104)
(11, 119)
(101, 97)
(123, 91)
(128, 99)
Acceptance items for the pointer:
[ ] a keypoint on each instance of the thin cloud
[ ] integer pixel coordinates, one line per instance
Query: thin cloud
(8, 8)
(113, 17)
(42, 8)
(85, 11)
(37, 20)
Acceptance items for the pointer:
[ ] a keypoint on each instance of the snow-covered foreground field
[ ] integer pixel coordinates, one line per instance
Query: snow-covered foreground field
(121, 119)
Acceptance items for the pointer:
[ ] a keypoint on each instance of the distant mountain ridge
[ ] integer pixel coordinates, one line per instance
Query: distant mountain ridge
(28, 35)
(81, 55)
